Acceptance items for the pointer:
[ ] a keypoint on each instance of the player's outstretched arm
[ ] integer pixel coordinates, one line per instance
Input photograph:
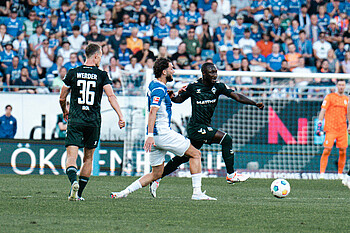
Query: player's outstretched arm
(181, 96)
(114, 103)
(151, 121)
(63, 99)
(348, 116)
(245, 100)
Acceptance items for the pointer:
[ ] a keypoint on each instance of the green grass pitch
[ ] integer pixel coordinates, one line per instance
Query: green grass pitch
(39, 204)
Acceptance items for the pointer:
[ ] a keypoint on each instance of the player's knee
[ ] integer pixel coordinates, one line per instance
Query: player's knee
(157, 175)
(227, 140)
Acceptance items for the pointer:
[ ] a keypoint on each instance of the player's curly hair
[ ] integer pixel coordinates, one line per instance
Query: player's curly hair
(205, 66)
(160, 65)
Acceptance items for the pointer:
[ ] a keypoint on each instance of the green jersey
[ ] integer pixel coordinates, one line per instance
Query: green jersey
(204, 100)
(86, 84)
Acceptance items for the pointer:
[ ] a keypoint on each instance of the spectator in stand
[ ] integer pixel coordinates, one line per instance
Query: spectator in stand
(7, 56)
(24, 81)
(276, 7)
(333, 62)
(274, 60)
(172, 16)
(213, 16)
(86, 28)
(161, 31)
(134, 69)
(231, 16)
(135, 12)
(42, 11)
(13, 72)
(324, 67)
(98, 10)
(30, 24)
(346, 37)
(55, 67)
(293, 31)
(53, 27)
(117, 12)
(127, 26)
(58, 80)
(82, 12)
(73, 21)
(340, 52)
(342, 20)
(303, 17)
(95, 37)
(265, 45)
(134, 43)
(301, 69)
(321, 48)
(237, 57)
(163, 52)
(257, 9)
(150, 7)
(192, 44)
(145, 54)
(204, 34)
(224, 6)
(346, 63)
(293, 7)
(277, 33)
(65, 51)
(220, 31)
(20, 46)
(14, 25)
(172, 41)
(322, 17)
(266, 21)
(292, 56)
(182, 27)
(34, 69)
(73, 61)
(107, 25)
(53, 42)
(8, 124)
(76, 40)
(5, 7)
(245, 80)
(36, 39)
(155, 21)
(314, 29)
(145, 29)
(63, 14)
(239, 28)
(246, 43)
(333, 8)
(106, 56)
(222, 58)
(255, 33)
(304, 47)
(203, 6)
(228, 39)
(45, 56)
(181, 58)
(284, 66)
(192, 16)
(333, 34)
(124, 55)
(4, 37)
(256, 60)
(113, 70)
(208, 51)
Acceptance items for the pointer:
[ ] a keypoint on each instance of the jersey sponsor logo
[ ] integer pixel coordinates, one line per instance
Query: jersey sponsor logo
(156, 99)
(85, 108)
(210, 128)
(202, 131)
(87, 76)
(206, 101)
(198, 91)
(213, 90)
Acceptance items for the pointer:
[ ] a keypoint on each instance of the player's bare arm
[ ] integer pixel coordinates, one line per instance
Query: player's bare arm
(348, 117)
(245, 100)
(63, 99)
(178, 98)
(114, 103)
(151, 121)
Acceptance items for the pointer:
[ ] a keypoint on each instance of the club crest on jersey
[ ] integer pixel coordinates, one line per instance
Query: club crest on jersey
(198, 91)
(156, 99)
(213, 90)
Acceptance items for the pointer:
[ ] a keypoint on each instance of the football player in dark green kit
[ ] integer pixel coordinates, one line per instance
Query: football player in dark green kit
(204, 95)
(86, 84)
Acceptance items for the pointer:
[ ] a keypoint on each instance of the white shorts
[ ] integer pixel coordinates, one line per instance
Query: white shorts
(173, 142)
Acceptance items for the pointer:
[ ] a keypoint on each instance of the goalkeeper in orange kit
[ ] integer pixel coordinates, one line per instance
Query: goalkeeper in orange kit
(334, 111)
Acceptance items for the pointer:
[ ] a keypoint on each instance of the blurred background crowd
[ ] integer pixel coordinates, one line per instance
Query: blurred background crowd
(40, 40)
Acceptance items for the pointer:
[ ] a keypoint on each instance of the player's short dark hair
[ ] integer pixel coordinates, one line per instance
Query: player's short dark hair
(91, 49)
(341, 80)
(205, 66)
(160, 65)
(76, 28)
(8, 106)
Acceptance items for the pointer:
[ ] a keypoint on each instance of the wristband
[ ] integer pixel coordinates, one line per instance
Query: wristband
(150, 135)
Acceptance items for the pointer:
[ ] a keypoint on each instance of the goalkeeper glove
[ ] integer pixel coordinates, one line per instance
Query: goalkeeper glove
(319, 131)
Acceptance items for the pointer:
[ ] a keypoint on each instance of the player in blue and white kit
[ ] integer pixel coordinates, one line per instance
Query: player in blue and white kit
(161, 138)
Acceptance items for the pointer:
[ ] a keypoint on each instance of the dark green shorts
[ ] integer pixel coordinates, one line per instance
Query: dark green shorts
(201, 133)
(82, 136)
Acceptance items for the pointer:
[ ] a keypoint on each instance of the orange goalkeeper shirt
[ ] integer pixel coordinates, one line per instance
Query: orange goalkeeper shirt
(336, 109)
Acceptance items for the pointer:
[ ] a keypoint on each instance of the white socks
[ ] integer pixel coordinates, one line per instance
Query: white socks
(197, 183)
(133, 187)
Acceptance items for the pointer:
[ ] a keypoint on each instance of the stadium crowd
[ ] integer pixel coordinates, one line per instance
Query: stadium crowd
(40, 40)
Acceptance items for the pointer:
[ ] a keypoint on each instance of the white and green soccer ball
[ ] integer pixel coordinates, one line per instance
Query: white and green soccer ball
(280, 188)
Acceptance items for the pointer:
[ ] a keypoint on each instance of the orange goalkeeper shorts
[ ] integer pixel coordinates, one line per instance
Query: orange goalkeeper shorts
(340, 137)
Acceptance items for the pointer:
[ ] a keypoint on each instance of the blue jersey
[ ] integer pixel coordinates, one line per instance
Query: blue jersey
(150, 6)
(204, 5)
(255, 36)
(158, 97)
(257, 4)
(237, 60)
(127, 29)
(340, 54)
(14, 73)
(109, 3)
(330, 8)
(33, 72)
(275, 61)
(7, 58)
(347, 7)
(304, 47)
(13, 26)
(161, 32)
(173, 16)
(8, 127)
(294, 6)
(63, 17)
(277, 6)
(144, 29)
(69, 65)
(219, 31)
(83, 16)
(42, 12)
(53, 29)
(238, 32)
(294, 33)
(192, 17)
(124, 58)
(323, 22)
(260, 58)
